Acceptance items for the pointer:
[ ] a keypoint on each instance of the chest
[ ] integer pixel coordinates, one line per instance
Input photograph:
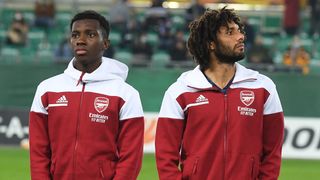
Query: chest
(235, 107)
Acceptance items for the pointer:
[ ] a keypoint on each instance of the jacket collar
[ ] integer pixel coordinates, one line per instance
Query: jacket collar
(196, 79)
(109, 69)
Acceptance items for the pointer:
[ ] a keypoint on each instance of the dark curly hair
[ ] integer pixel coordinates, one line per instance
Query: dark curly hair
(90, 14)
(204, 30)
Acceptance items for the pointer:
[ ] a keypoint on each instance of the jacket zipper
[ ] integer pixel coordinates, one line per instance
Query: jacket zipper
(195, 166)
(101, 169)
(225, 134)
(252, 168)
(77, 133)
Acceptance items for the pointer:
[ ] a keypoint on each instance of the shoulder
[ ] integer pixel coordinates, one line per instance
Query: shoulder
(53, 80)
(265, 79)
(249, 78)
(49, 85)
(121, 89)
(266, 82)
(179, 87)
(128, 88)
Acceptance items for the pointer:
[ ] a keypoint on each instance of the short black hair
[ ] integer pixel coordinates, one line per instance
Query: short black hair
(204, 30)
(90, 14)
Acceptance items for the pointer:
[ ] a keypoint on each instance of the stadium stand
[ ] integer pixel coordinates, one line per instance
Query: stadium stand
(266, 20)
(23, 68)
(124, 56)
(160, 59)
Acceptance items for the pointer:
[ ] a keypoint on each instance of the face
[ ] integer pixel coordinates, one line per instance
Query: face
(230, 46)
(87, 43)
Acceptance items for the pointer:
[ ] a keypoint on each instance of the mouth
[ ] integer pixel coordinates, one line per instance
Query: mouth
(240, 46)
(81, 52)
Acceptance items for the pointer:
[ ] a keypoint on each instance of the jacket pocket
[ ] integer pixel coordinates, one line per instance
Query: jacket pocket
(254, 169)
(52, 167)
(106, 169)
(190, 168)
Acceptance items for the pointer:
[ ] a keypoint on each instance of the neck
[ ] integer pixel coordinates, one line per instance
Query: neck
(220, 73)
(88, 68)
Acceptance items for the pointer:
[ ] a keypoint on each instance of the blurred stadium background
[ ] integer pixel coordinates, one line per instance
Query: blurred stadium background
(23, 67)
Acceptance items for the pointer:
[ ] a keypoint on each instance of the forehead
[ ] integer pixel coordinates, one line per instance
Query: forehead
(91, 24)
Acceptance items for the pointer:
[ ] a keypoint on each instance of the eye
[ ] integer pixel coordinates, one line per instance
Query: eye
(229, 32)
(92, 34)
(241, 31)
(74, 35)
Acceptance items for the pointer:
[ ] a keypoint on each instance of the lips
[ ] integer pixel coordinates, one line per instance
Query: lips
(81, 51)
(240, 45)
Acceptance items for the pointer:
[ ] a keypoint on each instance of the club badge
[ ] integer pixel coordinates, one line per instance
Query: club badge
(247, 97)
(101, 104)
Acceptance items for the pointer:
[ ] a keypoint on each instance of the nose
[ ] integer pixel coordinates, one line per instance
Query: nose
(81, 40)
(241, 37)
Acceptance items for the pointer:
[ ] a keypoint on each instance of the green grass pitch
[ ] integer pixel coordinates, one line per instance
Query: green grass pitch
(14, 165)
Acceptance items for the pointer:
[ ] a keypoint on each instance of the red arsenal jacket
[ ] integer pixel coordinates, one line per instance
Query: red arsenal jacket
(86, 126)
(205, 134)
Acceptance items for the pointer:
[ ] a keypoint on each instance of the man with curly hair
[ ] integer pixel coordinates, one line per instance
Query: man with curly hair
(220, 120)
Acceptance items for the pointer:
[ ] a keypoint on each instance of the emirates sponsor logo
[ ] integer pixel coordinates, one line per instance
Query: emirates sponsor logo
(247, 97)
(99, 118)
(101, 104)
(245, 111)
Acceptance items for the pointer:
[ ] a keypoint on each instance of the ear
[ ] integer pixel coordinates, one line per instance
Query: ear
(212, 46)
(106, 43)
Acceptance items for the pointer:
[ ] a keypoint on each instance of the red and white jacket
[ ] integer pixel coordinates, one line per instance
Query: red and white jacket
(86, 126)
(203, 133)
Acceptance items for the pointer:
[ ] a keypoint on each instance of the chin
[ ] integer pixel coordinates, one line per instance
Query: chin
(81, 57)
(233, 59)
(240, 57)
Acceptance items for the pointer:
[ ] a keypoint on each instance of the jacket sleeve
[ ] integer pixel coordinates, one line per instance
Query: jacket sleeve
(130, 139)
(39, 141)
(273, 132)
(273, 129)
(168, 140)
(130, 148)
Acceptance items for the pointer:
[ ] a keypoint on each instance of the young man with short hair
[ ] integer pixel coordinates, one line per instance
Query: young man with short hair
(87, 123)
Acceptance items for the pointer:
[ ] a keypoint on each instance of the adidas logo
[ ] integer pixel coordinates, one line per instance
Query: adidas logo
(62, 100)
(201, 98)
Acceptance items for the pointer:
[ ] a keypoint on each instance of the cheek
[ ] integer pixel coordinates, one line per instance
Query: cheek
(101, 46)
(226, 47)
(72, 43)
(97, 47)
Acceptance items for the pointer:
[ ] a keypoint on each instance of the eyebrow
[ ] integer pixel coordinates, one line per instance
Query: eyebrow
(232, 28)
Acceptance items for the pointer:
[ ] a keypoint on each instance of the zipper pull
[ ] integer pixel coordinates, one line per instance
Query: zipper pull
(80, 79)
(194, 170)
(100, 169)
